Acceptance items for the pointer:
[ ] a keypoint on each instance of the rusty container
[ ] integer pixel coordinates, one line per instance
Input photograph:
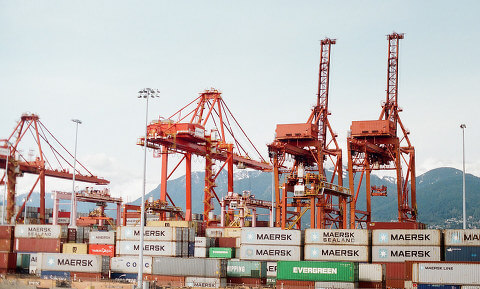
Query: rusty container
(6, 245)
(85, 277)
(6, 232)
(8, 261)
(37, 245)
(162, 280)
(295, 284)
(246, 281)
(227, 242)
(394, 225)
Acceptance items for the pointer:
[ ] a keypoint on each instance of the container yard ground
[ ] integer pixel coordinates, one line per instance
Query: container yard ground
(27, 282)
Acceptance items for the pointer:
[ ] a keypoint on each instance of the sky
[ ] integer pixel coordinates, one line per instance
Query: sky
(87, 60)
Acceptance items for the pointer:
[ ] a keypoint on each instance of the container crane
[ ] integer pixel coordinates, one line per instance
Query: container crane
(380, 145)
(310, 144)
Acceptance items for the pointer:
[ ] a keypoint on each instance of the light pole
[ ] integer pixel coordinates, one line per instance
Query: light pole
(145, 93)
(463, 126)
(73, 217)
(7, 152)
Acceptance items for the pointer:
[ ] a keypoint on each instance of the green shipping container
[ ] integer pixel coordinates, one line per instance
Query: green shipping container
(217, 252)
(317, 271)
(271, 281)
(254, 269)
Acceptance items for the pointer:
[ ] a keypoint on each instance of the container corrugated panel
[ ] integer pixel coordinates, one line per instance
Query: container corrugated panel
(228, 242)
(395, 284)
(233, 232)
(335, 285)
(446, 273)
(271, 236)
(38, 231)
(177, 224)
(395, 225)
(200, 252)
(250, 269)
(106, 238)
(466, 254)
(295, 284)
(272, 269)
(32, 269)
(405, 253)
(85, 277)
(74, 248)
(214, 232)
(371, 272)
(336, 237)
(73, 263)
(8, 260)
(55, 275)
(172, 281)
(246, 281)
(37, 245)
(6, 231)
(130, 264)
(6, 245)
(395, 270)
(317, 271)
(337, 253)
(367, 284)
(436, 286)
(217, 252)
(191, 234)
(150, 248)
(270, 252)
(99, 249)
(216, 268)
(204, 242)
(203, 282)
(470, 237)
(406, 237)
(150, 234)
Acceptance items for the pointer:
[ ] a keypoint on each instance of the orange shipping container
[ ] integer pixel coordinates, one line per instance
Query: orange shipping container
(37, 245)
(100, 249)
(6, 245)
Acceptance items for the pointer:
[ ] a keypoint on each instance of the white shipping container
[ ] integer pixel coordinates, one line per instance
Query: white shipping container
(470, 237)
(371, 272)
(336, 237)
(406, 237)
(38, 231)
(202, 282)
(335, 285)
(405, 253)
(446, 273)
(336, 253)
(233, 232)
(129, 264)
(271, 269)
(150, 233)
(106, 238)
(150, 248)
(271, 236)
(200, 252)
(204, 242)
(270, 252)
(133, 222)
(191, 234)
(73, 262)
(214, 232)
(32, 269)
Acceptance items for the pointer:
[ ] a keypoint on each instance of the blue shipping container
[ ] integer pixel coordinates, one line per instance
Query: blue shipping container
(55, 275)
(428, 286)
(123, 276)
(465, 254)
(191, 249)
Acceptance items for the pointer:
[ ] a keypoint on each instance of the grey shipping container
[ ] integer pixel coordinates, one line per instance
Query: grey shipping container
(336, 253)
(73, 262)
(336, 237)
(214, 232)
(169, 266)
(405, 253)
(203, 282)
(446, 273)
(99, 237)
(129, 264)
(396, 237)
(151, 233)
(271, 236)
(150, 248)
(469, 237)
(200, 252)
(204, 242)
(270, 252)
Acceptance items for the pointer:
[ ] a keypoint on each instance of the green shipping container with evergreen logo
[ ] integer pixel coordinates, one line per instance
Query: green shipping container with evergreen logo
(253, 269)
(317, 271)
(217, 252)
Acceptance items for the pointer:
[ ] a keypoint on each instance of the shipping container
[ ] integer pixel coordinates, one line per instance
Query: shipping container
(406, 237)
(295, 284)
(395, 225)
(271, 281)
(272, 269)
(8, 261)
(38, 231)
(106, 238)
(446, 273)
(37, 245)
(205, 282)
(214, 232)
(337, 237)
(130, 264)
(176, 224)
(73, 263)
(85, 277)
(99, 249)
(395, 270)
(367, 285)
(436, 286)
(317, 271)
(226, 242)
(466, 254)
(171, 266)
(249, 269)
(271, 236)
(6, 245)
(75, 248)
(204, 242)
(217, 252)
(405, 253)
(470, 287)
(233, 232)
(150, 248)
(371, 272)
(127, 277)
(336, 253)
(150, 234)
(336, 285)
(246, 281)
(270, 252)
(469, 237)
(32, 269)
(6, 231)
(395, 284)
(172, 281)
(55, 275)
(200, 252)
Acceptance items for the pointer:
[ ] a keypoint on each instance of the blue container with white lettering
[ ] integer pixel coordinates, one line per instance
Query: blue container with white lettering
(55, 275)
(465, 254)
(431, 286)
(123, 276)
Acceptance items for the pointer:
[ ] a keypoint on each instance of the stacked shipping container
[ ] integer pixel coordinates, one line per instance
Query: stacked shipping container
(102, 243)
(462, 245)
(8, 259)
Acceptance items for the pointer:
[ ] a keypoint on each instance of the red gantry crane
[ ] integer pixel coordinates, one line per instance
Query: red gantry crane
(188, 135)
(378, 145)
(18, 164)
(310, 144)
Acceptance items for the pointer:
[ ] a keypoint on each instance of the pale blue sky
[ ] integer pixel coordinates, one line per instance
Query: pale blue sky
(87, 60)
